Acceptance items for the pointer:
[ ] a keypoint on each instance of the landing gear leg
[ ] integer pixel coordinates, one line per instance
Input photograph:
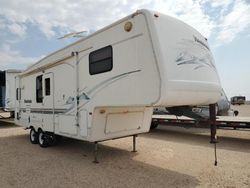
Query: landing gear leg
(212, 113)
(95, 153)
(134, 143)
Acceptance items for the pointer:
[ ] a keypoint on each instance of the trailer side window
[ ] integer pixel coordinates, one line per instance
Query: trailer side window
(39, 89)
(101, 60)
(47, 86)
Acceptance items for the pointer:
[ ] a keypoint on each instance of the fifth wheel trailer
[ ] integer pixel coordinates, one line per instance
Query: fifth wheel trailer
(106, 85)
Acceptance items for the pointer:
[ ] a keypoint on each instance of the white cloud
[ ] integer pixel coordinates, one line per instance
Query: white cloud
(2, 23)
(67, 15)
(58, 17)
(188, 11)
(218, 3)
(12, 58)
(235, 22)
(87, 14)
(17, 29)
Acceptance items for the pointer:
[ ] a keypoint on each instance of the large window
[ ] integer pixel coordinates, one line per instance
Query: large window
(101, 60)
(39, 89)
(47, 86)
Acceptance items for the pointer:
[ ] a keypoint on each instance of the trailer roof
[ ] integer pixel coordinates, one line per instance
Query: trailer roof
(13, 71)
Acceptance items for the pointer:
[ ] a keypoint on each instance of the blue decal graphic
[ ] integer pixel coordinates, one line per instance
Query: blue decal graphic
(184, 59)
(88, 94)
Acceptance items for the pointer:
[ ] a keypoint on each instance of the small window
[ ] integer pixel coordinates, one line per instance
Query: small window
(47, 86)
(101, 60)
(39, 89)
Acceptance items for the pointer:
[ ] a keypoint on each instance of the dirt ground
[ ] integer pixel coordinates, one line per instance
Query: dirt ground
(166, 157)
(244, 110)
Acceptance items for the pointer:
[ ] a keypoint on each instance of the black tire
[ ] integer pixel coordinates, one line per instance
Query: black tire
(33, 136)
(43, 139)
(154, 125)
(236, 112)
(58, 139)
(12, 114)
(52, 138)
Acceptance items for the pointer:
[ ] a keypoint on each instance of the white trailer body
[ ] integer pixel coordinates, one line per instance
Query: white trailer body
(8, 89)
(106, 85)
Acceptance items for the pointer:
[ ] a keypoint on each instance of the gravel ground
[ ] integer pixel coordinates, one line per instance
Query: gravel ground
(244, 110)
(166, 157)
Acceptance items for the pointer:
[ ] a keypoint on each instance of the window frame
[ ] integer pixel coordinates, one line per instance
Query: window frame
(91, 72)
(39, 99)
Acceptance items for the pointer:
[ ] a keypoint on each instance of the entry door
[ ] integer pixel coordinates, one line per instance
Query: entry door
(48, 102)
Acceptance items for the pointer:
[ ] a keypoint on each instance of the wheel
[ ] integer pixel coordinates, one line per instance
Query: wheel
(53, 139)
(43, 139)
(154, 125)
(236, 112)
(12, 114)
(33, 136)
(57, 139)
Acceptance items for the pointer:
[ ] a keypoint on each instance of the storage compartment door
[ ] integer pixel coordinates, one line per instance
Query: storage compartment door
(118, 122)
(67, 124)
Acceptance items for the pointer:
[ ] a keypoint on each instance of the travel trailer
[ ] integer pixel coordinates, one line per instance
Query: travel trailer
(106, 85)
(8, 90)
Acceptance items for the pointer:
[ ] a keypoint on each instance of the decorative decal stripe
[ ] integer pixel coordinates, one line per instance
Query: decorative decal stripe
(44, 110)
(184, 59)
(88, 94)
(189, 55)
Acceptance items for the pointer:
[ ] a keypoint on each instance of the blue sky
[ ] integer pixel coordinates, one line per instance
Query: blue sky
(29, 29)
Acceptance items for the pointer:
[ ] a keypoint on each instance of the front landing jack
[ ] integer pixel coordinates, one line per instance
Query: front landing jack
(134, 143)
(95, 153)
(213, 140)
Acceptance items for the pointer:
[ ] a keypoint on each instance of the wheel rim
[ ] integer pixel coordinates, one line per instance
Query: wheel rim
(41, 139)
(33, 135)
